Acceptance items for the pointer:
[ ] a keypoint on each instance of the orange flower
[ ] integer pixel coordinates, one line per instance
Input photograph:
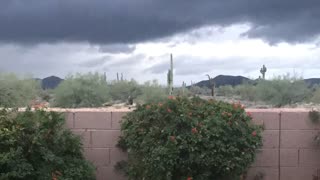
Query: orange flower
(171, 97)
(254, 133)
(189, 178)
(194, 130)
(169, 110)
(172, 138)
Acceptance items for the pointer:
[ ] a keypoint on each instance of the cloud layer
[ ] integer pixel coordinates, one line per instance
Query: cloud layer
(130, 21)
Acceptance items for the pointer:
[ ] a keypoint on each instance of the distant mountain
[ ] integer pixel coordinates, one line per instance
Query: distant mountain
(223, 80)
(312, 81)
(50, 82)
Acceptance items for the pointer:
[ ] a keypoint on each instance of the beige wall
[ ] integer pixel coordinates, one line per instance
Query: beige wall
(288, 153)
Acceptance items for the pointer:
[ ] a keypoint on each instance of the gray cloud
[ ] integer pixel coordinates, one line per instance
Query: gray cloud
(117, 48)
(128, 21)
(197, 66)
(95, 62)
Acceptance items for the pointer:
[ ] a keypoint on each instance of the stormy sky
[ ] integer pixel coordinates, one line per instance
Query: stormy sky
(136, 37)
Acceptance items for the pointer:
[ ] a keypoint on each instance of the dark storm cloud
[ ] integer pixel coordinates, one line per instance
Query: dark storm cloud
(129, 21)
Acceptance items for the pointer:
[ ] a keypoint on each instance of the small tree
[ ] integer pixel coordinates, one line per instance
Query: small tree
(17, 92)
(123, 90)
(152, 92)
(82, 90)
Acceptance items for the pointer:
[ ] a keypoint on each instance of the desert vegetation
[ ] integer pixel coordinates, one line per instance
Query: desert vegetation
(92, 90)
(16, 91)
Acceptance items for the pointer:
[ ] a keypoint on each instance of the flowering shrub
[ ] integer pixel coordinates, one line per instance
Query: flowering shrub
(182, 139)
(35, 146)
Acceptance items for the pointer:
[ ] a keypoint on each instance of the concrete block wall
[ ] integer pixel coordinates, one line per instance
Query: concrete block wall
(99, 132)
(288, 152)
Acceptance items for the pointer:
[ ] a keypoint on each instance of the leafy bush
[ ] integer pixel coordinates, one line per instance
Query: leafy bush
(282, 91)
(246, 91)
(82, 90)
(122, 90)
(16, 92)
(226, 90)
(196, 90)
(183, 139)
(152, 92)
(181, 91)
(35, 146)
(316, 95)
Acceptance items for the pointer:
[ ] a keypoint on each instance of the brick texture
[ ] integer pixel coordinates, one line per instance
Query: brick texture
(93, 120)
(288, 151)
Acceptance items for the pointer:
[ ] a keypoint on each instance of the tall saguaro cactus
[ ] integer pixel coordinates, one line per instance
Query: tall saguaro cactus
(212, 85)
(170, 76)
(117, 77)
(263, 71)
(184, 86)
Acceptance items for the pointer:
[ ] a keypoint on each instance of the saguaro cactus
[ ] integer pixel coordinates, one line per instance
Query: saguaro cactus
(170, 76)
(212, 85)
(263, 71)
(184, 85)
(105, 77)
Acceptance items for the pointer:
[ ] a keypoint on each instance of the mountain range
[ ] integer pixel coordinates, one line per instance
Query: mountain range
(223, 80)
(52, 82)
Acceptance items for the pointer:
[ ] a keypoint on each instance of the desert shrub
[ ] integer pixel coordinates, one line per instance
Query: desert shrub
(226, 90)
(196, 90)
(152, 92)
(36, 146)
(180, 91)
(82, 90)
(283, 91)
(316, 95)
(17, 92)
(246, 91)
(181, 139)
(122, 90)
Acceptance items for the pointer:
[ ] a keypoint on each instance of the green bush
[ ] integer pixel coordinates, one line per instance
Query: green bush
(17, 92)
(122, 90)
(246, 91)
(82, 90)
(283, 91)
(226, 90)
(152, 92)
(316, 95)
(196, 90)
(181, 139)
(36, 146)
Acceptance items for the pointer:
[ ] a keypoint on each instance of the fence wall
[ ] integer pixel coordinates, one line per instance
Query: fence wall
(289, 151)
